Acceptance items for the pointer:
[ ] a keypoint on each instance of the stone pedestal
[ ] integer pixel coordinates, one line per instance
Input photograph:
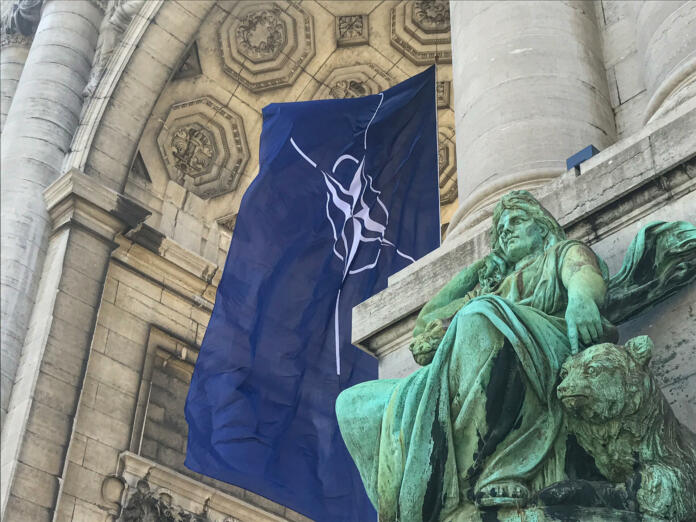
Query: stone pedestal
(550, 514)
(530, 90)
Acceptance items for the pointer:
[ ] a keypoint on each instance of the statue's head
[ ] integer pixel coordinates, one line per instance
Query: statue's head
(521, 226)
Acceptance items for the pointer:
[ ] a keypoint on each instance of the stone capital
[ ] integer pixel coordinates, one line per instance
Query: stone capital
(76, 199)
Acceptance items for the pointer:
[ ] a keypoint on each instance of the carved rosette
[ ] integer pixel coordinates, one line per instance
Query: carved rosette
(352, 30)
(265, 45)
(204, 148)
(354, 81)
(420, 29)
(447, 165)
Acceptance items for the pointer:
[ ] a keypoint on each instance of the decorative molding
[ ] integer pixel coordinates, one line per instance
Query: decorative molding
(420, 29)
(443, 90)
(204, 148)
(447, 165)
(352, 30)
(265, 45)
(228, 222)
(354, 81)
(191, 66)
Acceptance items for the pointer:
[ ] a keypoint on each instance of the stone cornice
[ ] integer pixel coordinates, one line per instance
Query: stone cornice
(149, 253)
(646, 163)
(76, 199)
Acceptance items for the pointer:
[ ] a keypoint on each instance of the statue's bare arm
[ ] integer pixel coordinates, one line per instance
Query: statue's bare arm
(582, 278)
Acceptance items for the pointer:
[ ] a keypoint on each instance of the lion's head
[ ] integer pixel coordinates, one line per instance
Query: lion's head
(606, 381)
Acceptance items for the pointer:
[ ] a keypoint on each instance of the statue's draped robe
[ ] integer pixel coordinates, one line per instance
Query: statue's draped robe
(483, 411)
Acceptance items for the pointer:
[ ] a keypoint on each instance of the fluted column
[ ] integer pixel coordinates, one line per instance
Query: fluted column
(39, 128)
(666, 37)
(530, 90)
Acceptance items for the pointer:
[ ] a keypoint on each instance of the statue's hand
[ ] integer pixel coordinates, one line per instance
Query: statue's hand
(424, 344)
(583, 320)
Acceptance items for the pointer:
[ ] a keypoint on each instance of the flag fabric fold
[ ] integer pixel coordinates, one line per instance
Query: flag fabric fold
(346, 195)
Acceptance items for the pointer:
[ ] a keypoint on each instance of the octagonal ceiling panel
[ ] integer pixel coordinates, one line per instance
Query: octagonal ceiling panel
(265, 45)
(204, 147)
(420, 29)
(354, 81)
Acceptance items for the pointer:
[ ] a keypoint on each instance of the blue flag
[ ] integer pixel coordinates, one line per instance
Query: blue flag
(346, 195)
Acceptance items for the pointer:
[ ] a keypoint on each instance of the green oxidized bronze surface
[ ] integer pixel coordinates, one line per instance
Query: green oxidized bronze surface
(480, 427)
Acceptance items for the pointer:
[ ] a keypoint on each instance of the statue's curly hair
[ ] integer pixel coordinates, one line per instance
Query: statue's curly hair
(496, 266)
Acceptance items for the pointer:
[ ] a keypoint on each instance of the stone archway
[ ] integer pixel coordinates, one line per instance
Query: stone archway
(113, 120)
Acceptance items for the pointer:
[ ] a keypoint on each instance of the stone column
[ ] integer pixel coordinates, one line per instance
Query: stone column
(666, 37)
(17, 26)
(39, 128)
(530, 91)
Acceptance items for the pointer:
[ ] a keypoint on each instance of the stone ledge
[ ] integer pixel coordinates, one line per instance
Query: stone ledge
(624, 169)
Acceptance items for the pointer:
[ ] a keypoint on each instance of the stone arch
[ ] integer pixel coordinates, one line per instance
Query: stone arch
(112, 121)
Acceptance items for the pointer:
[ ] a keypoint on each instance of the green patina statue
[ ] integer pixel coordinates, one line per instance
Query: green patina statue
(480, 426)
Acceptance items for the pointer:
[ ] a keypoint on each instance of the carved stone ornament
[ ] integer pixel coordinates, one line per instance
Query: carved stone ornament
(447, 165)
(420, 29)
(228, 222)
(19, 22)
(443, 90)
(354, 81)
(145, 505)
(204, 147)
(117, 17)
(525, 407)
(265, 45)
(352, 30)
(432, 16)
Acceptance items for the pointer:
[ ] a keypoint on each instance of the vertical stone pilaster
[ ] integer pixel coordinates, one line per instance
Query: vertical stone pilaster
(38, 130)
(530, 91)
(85, 218)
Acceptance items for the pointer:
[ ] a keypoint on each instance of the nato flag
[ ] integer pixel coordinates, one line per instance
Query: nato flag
(346, 195)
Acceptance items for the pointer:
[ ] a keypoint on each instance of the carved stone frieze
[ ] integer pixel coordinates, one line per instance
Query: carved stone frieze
(352, 30)
(443, 90)
(265, 45)
(421, 31)
(447, 165)
(354, 81)
(204, 147)
(147, 505)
